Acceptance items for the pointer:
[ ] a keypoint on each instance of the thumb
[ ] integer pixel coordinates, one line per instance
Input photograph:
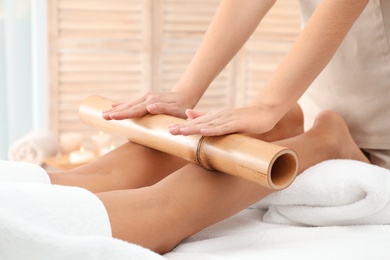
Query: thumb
(162, 108)
(192, 114)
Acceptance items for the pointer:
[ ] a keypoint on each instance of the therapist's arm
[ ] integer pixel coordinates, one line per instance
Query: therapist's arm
(234, 22)
(232, 25)
(311, 52)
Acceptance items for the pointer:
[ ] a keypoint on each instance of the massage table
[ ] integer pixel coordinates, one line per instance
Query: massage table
(337, 209)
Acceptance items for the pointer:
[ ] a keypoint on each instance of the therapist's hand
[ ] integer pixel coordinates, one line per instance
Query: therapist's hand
(170, 103)
(250, 120)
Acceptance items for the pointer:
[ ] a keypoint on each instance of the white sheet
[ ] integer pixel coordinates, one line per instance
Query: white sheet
(43, 221)
(334, 210)
(244, 236)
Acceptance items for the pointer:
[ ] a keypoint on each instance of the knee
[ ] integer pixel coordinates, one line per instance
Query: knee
(332, 121)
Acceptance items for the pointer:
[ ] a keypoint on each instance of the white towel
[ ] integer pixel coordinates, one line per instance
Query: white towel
(43, 221)
(22, 172)
(245, 236)
(330, 193)
(34, 231)
(335, 192)
(34, 147)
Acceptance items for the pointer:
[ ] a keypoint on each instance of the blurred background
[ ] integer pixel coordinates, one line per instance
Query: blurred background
(55, 53)
(23, 69)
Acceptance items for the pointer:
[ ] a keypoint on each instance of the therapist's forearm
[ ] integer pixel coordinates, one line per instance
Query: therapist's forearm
(233, 24)
(312, 51)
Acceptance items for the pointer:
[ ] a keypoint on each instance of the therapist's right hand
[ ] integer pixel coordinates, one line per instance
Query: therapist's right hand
(170, 103)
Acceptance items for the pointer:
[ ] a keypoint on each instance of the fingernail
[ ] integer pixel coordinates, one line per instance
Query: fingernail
(185, 129)
(173, 128)
(112, 115)
(204, 131)
(151, 107)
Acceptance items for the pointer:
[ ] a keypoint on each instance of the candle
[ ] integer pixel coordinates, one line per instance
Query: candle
(100, 141)
(81, 156)
(70, 142)
(105, 150)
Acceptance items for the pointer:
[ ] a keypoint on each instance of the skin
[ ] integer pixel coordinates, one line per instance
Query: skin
(311, 52)
(157, 200)
(202, 70)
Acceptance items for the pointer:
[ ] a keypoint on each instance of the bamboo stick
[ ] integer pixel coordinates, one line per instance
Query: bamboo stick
(267, 164)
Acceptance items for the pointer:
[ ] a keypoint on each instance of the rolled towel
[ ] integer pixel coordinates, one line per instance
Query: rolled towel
(334, 192)
(34, 147)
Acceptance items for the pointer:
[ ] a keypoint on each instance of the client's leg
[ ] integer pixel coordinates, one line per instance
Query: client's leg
(129, 166)
(132, 166)
(329, 138)
(160, 216)
(290, 125)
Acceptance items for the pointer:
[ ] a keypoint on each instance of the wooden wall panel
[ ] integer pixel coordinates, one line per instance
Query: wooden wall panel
(266, 48)
(122, 48)
(181, 28)
(101, 47)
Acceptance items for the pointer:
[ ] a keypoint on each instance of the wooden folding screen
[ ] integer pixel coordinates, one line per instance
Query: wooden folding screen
(122, 48)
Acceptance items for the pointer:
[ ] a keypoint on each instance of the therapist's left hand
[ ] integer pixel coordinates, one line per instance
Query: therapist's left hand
(250, 120)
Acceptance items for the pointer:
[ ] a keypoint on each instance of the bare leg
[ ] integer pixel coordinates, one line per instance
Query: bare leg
(127, 167)
(289, 126)
(133, 166)
(329, 138)
(160, 216)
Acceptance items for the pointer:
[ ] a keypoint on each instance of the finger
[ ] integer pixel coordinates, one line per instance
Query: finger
(106, 116)
(108, 113)
(174, 129)
(193, 126)
(216, 127)
(183, 129)
(194, 129)
(217, 130)
(166, 108)
(192, 114)
(136, 111)
(122, 108)
(115, 108)
(113, 105)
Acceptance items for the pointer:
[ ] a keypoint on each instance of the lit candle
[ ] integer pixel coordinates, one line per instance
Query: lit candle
(70, 142)
(105, 150)
(100, 141)
(81, 156)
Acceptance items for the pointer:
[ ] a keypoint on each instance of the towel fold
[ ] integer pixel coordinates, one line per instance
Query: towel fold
(335, 192)
(43, 221)
(34, 147)
(23, 172)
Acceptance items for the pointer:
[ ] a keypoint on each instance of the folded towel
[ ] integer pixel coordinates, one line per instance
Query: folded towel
(332, 192)
(335, 192)
(43, 221)
(22, 172)
(34, 147)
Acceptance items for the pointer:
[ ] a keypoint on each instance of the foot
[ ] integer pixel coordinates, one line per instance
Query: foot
(289, 126)
(334, 131)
